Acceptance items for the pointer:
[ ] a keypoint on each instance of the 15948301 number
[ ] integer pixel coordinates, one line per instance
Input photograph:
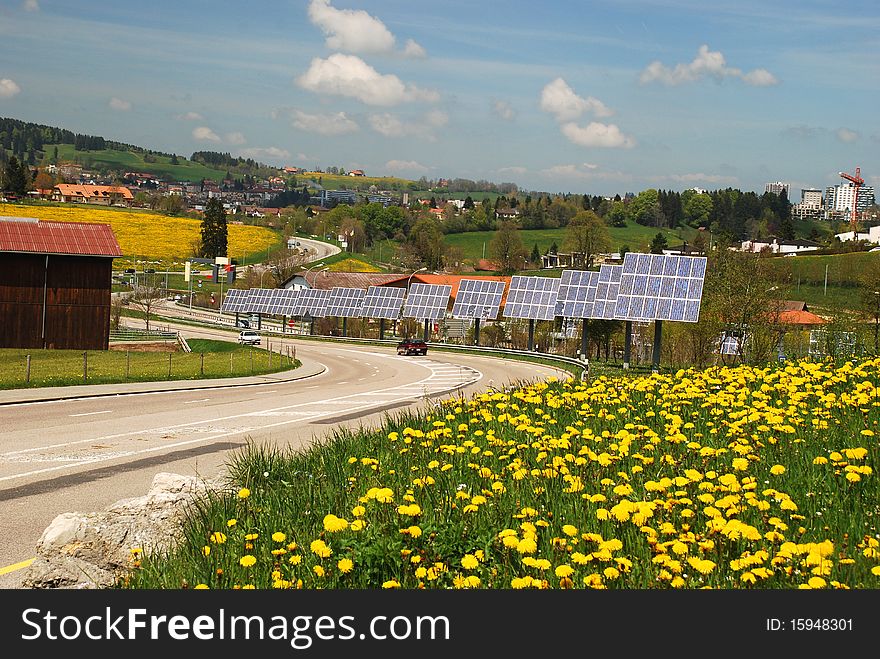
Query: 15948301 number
(821, 624)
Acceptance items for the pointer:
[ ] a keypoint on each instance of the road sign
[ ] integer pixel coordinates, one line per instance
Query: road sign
(290, 323)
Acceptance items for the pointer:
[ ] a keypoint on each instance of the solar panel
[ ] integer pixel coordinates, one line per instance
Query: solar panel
(532, 297)
(478, 298)
(607, 292)
(234, 300)
(311, 302)
(577, 292)
(345, 302)
(284, 301)
(427, 301)
(257, 300)
(661, 287)
(383, 302)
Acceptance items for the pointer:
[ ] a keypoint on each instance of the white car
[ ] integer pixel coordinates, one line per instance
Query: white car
(249, 338)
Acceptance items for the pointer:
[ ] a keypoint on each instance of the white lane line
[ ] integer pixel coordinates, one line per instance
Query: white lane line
(200, 400)
(92, 413)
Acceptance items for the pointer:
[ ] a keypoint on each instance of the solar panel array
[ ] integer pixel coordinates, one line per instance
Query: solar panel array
(661, 287)
(383, 302)
(311, 302)
(259, 300)
(427, 301)
(478, 298)
(532, 297)
(345, 302)
(284, 301)
(577, 291)
(235, 300)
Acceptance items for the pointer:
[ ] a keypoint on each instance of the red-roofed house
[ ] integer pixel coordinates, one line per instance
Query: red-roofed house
(55, 284)
(92, 194)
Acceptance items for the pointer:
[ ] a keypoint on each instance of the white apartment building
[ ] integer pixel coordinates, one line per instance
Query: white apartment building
(839, 199)
(810, 206)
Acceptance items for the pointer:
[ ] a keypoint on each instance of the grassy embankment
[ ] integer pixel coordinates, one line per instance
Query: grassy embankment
(208, 359)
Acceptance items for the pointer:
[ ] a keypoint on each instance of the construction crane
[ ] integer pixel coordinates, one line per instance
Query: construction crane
(857, 181)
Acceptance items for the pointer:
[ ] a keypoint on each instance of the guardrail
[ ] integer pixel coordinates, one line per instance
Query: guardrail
(142, 335)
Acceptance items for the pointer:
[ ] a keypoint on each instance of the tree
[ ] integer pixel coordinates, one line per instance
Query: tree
(16, 177)
(146, 295)
(697, 209)
(426, 242)
(659, 243)
(536, 255)
(215, 235)
(701, 242)
(507, 249)
(587, 235)
(617, 214)
(468, 203)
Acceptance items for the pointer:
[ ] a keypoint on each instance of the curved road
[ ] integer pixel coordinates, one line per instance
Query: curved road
(86, 453)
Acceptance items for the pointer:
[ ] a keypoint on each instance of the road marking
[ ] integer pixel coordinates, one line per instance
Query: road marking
(92, 413)
(16, 566)
(200, 400)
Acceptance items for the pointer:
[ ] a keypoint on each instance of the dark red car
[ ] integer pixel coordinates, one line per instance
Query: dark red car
(412, 347)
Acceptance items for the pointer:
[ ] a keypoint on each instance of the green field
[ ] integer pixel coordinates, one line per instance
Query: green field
(131, 161)
(55, 368)
(476, 244)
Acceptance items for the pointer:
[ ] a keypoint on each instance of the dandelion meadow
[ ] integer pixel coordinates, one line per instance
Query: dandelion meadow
(728, 478)
(148, 235)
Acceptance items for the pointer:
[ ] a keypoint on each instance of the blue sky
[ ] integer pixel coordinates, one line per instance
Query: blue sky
(581, 97)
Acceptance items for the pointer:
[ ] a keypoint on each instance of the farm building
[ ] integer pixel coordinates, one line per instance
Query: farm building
(55, 284)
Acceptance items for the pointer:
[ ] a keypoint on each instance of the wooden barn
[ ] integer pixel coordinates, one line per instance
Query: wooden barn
(55, 280)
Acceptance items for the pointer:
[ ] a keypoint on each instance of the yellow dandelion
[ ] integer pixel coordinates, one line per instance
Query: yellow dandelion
(247, 560)
(777, 470)
(278, 536)
(244, 493)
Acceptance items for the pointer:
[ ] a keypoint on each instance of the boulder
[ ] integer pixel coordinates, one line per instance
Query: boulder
(93, 550)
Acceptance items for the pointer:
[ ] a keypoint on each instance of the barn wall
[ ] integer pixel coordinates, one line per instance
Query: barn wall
(77, 293)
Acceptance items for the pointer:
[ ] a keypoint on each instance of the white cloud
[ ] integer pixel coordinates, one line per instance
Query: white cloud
(324, 124)
(390, 125)
(356, 31)
(189, 116)
(560, 100)
(706, 63)
(205, 134)
(349, 75)
(597, 134)
(414, 50)
(8, 88)
(847, 135)
(587, 171)
(235, 138)
(352, 30)
(405, 166)
(31, 5)
(516, 171)
(264, 153)
(503, 110)
(119, 104)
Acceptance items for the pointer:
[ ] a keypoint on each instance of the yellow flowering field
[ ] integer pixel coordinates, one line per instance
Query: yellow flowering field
(148, 235)
(728, 478)
(352, 265)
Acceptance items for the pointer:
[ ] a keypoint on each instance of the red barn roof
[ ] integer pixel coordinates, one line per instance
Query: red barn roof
(68, 238)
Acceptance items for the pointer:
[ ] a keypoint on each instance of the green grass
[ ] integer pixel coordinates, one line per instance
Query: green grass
(624, 483)
(131, 161)
(56, 368)
(475, 245)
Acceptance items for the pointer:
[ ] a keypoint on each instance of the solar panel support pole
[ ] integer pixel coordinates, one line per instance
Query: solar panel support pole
(658, 340)
(476, 331)
(531, 334)
(259, 321)
(627, 342)
(427, 330)
(381, 329)
(585, 339)
(344, 326)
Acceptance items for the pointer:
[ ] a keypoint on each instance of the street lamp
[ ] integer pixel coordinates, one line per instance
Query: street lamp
(306, 274)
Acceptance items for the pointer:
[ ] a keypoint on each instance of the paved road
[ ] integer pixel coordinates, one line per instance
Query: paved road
(84, 452)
